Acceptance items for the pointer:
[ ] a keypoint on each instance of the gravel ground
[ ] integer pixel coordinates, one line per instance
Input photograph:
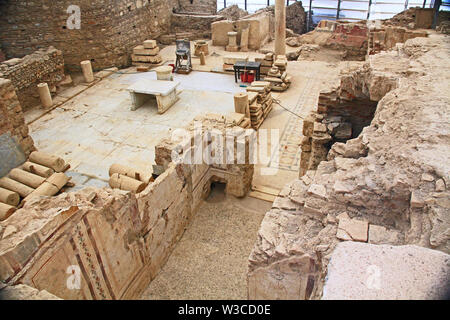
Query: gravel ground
(210, 261)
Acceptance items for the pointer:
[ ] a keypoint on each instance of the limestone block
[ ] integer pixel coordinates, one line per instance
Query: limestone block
(440, 185)
(140, 50)
(232, 59)
(320, 127)
(359, 271)
(318, 190)
(150, 44)
(381, 235)
(352, 230)
(150, 59)
(416, 200)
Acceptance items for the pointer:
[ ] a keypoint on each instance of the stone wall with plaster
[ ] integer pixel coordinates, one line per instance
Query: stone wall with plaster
(15, 142)
(109, 29)
(385, 38)
(389, 185)
(260, 30)
(26, 73)
(115, 241)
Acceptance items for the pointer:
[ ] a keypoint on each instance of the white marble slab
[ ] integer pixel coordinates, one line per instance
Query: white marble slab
(154, 87)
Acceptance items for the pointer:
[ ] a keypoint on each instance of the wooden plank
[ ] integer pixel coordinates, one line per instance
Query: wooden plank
(266, 190)
(262, 196)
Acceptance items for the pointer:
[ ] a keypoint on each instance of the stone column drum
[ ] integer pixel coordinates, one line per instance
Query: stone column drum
(44, 94)
(86, 67)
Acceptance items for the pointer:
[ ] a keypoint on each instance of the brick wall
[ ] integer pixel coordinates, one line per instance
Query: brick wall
(15, 142)
(196, 6)
(109, 29)
(26, 73)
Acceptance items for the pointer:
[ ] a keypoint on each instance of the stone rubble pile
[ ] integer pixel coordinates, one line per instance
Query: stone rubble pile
(278, 77)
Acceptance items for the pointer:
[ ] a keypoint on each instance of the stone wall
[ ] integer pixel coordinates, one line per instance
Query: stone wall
(115, 241)
(15, 141)
(195, 6)
(260, 30)
(198, 25)
(26, 73)
(385, 38)
(109, 29)
(389, 185)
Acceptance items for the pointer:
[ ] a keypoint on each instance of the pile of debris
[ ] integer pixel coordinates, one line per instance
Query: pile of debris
(260, 100)
(146, 54)
(278, 79)
(233, 13)
(41, 175)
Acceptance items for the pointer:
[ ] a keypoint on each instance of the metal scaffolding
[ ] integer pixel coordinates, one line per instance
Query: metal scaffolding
(344, 9)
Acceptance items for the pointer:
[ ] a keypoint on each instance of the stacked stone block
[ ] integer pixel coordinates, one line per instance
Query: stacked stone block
(146, 54)
(260, 100)
(266, 63)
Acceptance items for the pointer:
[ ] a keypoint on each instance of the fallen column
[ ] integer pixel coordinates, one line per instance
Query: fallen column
(38, 169)
(6, 211)
(9, 197)
(122, 182)
(56, 163)
(26, 178)
(15, 186)
(129, 172)
(51, 186)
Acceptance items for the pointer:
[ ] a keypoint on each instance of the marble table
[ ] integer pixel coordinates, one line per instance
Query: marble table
(164, 91)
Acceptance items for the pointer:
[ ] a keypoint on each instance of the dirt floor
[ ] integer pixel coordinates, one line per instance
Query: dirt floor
(210, 261)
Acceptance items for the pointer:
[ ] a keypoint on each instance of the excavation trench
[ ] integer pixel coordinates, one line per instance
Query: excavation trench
(210, 261)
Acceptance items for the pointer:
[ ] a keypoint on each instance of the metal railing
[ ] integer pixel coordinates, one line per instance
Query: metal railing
(342, 9)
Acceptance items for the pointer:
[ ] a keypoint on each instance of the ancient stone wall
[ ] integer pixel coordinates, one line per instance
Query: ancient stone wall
(198, 25)
(115, 241)
(260, 30)
(26, 73)
(237, 173)
(15, 141)
(385, 38)
(109, 29)
(196, 6)
(387, 186)
(349, 38)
